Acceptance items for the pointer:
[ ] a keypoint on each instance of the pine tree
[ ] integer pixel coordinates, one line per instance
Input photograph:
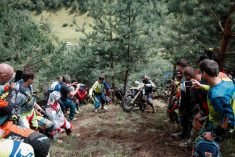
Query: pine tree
(120, 38)
(195, 25)
(21, 41)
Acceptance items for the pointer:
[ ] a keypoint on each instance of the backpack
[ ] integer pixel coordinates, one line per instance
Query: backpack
(49, 89)
(52, 87)
(205, 148)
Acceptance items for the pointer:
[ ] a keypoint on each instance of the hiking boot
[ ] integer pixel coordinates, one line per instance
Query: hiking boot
(73, 119)
(154, 110)
(67, 112)
(76, 135)
(76, 112)
(186, 144)
(95, 110)
(177, 127)
(183, 145)
(62, 130)
(59, 141)
(105, 108)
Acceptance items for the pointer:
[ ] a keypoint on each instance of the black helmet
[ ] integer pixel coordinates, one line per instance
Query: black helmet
(201, 57)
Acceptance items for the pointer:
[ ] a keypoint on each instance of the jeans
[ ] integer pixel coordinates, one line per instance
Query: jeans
(67, 103)
(99, 100)
(150, 101)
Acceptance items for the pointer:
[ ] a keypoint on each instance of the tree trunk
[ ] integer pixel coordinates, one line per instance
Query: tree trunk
(227, 34)
(172, 86)
(111, 53)
(128, 50)
(126, 80)
(112, 74)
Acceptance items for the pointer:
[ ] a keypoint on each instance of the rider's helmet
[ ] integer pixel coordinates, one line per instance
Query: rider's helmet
(145, 78)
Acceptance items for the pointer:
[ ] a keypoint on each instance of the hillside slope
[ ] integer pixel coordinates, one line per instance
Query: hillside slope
(63, 25)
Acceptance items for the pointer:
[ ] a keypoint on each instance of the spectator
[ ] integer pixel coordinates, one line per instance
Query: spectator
(66, 94)
(39, 142)
(56, 115)
(220, 99)
(57, 84)
(98, 90)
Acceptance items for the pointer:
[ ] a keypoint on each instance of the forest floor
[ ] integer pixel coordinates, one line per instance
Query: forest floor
(115, 133)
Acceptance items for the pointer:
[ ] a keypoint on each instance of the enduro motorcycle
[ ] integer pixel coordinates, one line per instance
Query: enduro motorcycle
(135, 97)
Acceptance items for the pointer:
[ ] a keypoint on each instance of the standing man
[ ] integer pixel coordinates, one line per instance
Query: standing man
(220, 98)
(185, 106)
(66, 94)
(98, 90)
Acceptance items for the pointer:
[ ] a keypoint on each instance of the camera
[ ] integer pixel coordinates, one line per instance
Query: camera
(188, 83)
(18, 75)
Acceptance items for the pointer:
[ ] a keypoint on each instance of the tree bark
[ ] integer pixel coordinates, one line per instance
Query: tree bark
(172, 86)
(227, 34)
(126, 80)
(128, 49)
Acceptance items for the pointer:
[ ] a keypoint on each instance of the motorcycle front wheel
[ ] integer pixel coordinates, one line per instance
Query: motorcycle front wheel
(126, 103)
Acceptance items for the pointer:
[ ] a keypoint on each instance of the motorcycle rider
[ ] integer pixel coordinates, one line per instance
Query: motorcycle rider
(149, 85)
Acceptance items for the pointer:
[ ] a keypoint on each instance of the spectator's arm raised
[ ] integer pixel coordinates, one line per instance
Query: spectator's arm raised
(73, 92)
(197, 85)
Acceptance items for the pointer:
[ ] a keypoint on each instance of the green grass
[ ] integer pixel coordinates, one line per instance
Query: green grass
(64, 24)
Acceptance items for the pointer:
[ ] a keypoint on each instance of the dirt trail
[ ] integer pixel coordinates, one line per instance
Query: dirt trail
(116, 133)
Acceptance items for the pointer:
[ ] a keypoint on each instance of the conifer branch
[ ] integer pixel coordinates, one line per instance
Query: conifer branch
(195, 37)
(217, 19)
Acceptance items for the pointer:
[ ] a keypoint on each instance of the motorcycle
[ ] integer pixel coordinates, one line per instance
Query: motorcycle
(135, 97)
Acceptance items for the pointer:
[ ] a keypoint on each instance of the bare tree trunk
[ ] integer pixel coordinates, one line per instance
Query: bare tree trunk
(128, 51)
(172, 86)
(112, 74)
(111, 53)
(126, 80)
(227, 34)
